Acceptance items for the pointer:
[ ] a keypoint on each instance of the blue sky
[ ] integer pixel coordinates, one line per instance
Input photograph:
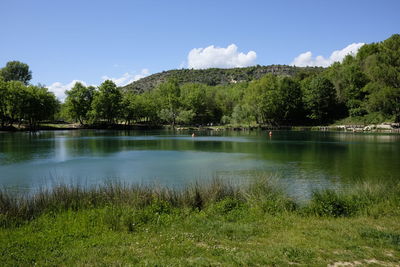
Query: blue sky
(63, 41)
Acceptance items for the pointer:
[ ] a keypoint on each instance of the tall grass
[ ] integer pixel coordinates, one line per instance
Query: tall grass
(262, 194)
(366, 198)
(19, 208)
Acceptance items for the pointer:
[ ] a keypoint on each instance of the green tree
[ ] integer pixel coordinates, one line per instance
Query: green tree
(40, 104)
(16, 102)
(319, 98)
(384, 99)
(185, 116)
(107, 102)
(193, 97)
(169, 93)
(228, 96)
(349, 79)
(201, 100)
(289, 101)
(381, 64)
(78, 102)
(136, 108)
(16, 71)
(264, 99)
(242, 115)
(4, 95)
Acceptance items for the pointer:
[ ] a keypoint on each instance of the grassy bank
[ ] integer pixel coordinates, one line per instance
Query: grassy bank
(205, 224)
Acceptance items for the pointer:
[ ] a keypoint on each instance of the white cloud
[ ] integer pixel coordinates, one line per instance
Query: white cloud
(59, 89)
(307, 59)
(127, 77)
(219, 57)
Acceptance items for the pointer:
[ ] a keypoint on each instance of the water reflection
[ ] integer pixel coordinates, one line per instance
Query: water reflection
(303, 160)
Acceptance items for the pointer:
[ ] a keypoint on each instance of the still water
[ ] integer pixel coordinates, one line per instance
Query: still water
(300, 161)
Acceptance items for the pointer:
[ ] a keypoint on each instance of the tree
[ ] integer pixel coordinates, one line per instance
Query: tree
(185, 116)
(3, 101)
(348, 79)
(169, 93)
(201, 100)
(78, 102)
(264, 99)
(148, 104)
(16, 101)
(16, 71)
(40, 104)
(290, 105)
(107, 102)
(384, 99)
(242, 115)
(228, 96)
(135, 108)
(319, 98)
(382, 67)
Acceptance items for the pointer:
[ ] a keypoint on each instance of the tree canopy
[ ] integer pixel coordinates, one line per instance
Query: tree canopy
(16, 71)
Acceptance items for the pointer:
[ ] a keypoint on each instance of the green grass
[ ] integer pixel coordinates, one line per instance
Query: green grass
(204, 225)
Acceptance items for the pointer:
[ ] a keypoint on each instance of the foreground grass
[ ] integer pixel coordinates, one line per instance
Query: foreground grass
(216, 224)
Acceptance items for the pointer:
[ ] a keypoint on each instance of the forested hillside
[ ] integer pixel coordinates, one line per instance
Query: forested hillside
(215, 76)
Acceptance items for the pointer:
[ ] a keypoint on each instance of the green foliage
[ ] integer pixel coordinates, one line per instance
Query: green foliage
(275, 100)
(242, 115)
(106, 105)
(290, 101)
(16, 71)
(16, 102)
(261, 96)
(169, 94)
(26, 104)
(132, 107)
(185, 117)
(40, 105)
(349, 79)
(370, 81)
(383, 99)
(319, 98)
(201, 100)
(78, 102)
(4, 93)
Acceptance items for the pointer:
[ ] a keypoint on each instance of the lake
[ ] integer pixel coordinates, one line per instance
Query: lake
(301, 161)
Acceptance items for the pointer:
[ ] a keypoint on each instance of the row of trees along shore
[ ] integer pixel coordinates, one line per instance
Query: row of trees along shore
(21, 103)
(364, 87)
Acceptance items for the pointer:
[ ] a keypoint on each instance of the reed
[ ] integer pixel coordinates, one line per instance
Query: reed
(262, 194)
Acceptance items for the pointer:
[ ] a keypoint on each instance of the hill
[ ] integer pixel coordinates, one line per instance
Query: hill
(215, 76)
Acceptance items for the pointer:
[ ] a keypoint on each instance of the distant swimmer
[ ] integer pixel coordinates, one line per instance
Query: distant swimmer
(193, 135)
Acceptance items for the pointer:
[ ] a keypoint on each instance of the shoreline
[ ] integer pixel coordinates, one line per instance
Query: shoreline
(370, 128)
